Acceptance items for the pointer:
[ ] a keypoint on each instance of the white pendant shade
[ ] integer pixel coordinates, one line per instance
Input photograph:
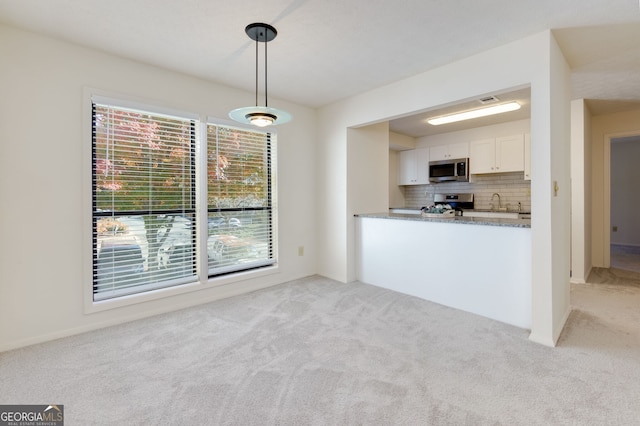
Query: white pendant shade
(260, 116)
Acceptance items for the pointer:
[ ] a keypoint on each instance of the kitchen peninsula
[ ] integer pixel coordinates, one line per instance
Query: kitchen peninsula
(476, 264)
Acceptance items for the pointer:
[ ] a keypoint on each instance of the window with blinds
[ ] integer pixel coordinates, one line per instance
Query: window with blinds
(239, 199)
(143, 194)
(146, 200)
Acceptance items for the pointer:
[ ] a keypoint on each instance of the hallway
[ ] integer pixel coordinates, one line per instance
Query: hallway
(626, 258)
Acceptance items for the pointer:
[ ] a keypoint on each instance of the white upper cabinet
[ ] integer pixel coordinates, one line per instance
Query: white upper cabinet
(414, 167)
(527, 156)
(510, 153)
(459, 150)
(482, 156)
(497, 155)
(449, 151)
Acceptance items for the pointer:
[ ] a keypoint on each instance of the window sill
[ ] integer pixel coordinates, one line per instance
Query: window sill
(92, 307)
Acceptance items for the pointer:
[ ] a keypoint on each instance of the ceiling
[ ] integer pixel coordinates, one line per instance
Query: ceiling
(416, 125)
(327, 50)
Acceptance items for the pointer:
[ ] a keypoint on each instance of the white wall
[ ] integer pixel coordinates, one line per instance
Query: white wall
(625, 197)
(534, 61)
(560, 208)
(401, 142)
(580, 191)
(41, 187)
(368, 179)
(603, 128)
(550, 197)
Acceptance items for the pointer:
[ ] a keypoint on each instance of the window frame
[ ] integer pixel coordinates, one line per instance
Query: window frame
(232, 269)
(202, 280)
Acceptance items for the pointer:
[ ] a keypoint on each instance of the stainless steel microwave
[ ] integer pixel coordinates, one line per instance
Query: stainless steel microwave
(454, 170)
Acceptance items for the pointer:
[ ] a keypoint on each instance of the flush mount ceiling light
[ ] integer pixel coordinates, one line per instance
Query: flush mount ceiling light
(260, 115)
(474, 113)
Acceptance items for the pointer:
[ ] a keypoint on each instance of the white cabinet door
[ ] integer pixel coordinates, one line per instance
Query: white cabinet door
(482, 156)
(527, 156)
(497, 155)
(459, 150)
(422, 166)
(510, 154)
(414, 167)
(408, 168)
(439, 152)
(449, 151)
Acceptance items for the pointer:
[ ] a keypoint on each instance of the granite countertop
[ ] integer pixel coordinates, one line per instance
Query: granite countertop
(495, 211)
(514, 223)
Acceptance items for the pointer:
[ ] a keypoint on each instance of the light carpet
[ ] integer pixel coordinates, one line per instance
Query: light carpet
(318, 352)
(625, 257)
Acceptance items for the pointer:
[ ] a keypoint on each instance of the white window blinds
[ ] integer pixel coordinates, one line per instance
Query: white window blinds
(239, 199)
(143, 200)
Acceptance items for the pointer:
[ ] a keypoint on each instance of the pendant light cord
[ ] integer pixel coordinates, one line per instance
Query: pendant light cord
(256, 71)
(266, 97)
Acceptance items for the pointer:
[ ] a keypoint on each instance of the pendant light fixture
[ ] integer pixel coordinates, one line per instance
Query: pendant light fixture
(260, 116)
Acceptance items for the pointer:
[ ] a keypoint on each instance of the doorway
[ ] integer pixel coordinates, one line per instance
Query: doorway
(624, 205)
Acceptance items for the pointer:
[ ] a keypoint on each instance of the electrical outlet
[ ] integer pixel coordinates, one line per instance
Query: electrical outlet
(615, 229)
(301, 251)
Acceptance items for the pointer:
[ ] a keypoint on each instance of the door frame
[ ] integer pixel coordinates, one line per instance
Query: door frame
(606, 205)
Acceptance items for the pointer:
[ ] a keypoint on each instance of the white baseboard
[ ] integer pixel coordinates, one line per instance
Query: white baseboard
(543, 340)
(626, 245)
(576, 280)
(552, 341)
(560, 326)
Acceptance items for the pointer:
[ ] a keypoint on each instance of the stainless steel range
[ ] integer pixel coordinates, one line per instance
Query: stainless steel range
(458, 202)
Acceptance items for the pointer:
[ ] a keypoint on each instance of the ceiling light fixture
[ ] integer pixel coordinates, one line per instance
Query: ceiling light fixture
(474, 113)
(258, 115)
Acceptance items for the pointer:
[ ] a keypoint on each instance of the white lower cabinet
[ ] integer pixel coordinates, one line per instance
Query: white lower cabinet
(414, 167)
(497, 155)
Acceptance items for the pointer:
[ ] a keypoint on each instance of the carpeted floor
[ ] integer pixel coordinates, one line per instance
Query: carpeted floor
(625, 257)
(318, 352)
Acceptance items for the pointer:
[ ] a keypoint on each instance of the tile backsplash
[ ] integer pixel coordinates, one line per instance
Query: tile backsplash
(513, 189)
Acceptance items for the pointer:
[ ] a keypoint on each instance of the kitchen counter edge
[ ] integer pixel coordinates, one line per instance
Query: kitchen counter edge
(514, 223)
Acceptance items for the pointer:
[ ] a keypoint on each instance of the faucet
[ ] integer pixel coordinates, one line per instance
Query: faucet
(499, 200)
